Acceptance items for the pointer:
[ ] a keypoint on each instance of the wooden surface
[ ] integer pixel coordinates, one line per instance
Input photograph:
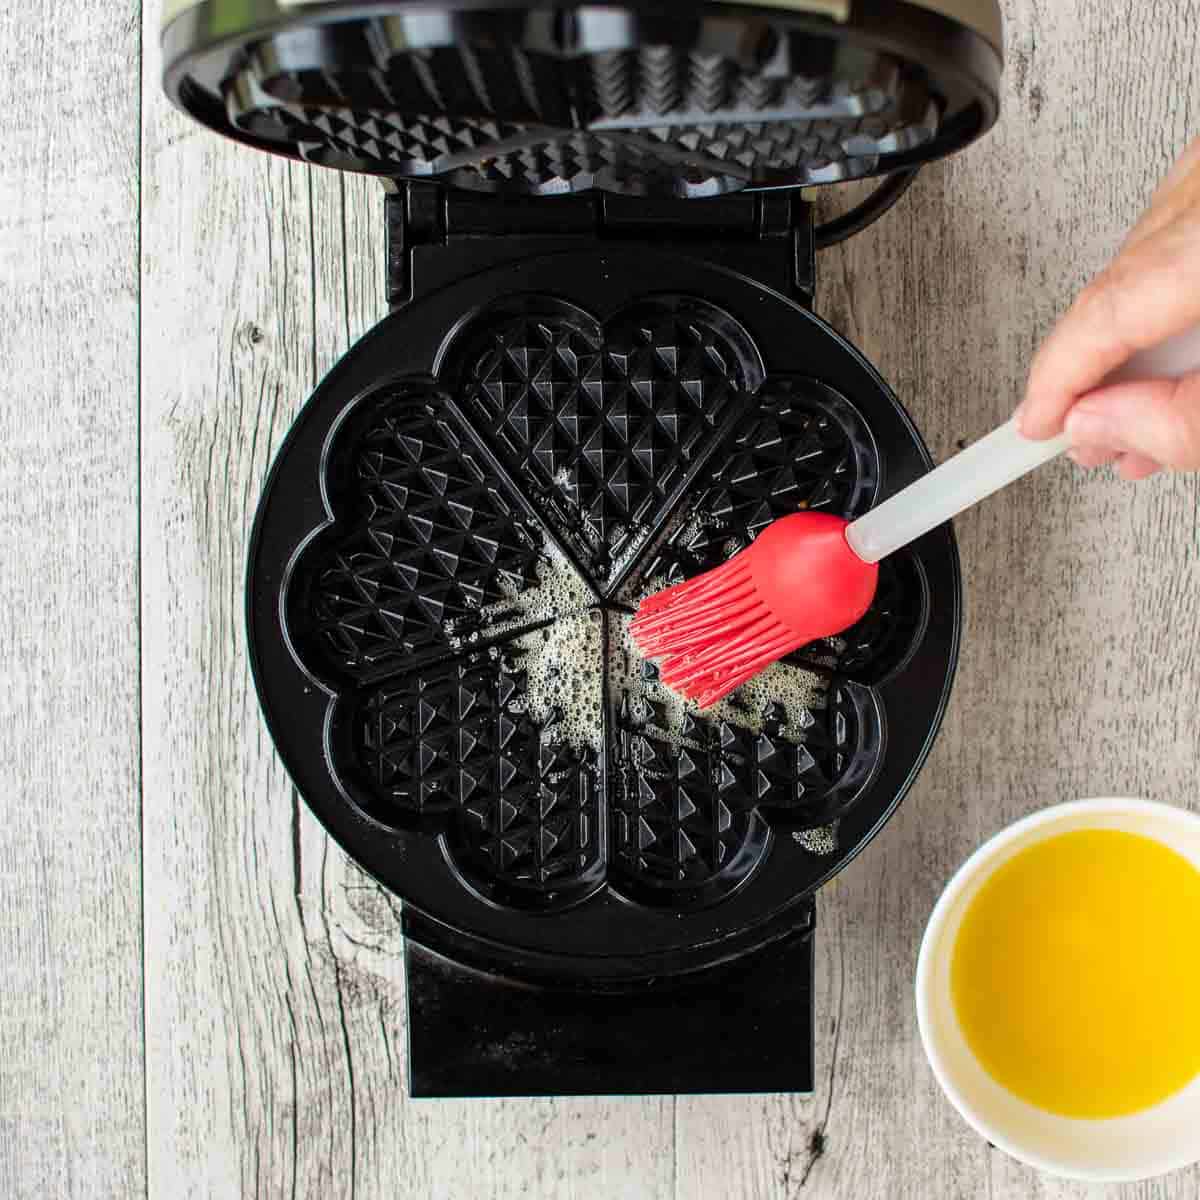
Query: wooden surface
(71, 1044)
(217, 285)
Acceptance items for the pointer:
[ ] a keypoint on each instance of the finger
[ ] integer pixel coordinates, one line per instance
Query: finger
(1156, 419)
(1176, 193)
(1090, 457)
(1183, 171)
(1149, 295)
(1136, 466)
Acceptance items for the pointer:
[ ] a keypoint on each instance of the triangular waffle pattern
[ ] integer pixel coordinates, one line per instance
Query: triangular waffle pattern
(455, 740)
(805, 449)
(680, 816)
(645, 121)
(604, 425)
(389, 138)
(683, 808)
(434, 539)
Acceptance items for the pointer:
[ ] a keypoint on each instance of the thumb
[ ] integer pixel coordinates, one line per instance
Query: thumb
(1158, 419)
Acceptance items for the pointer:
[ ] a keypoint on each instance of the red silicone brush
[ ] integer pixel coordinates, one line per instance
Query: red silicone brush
(796, 582)
(811, 575)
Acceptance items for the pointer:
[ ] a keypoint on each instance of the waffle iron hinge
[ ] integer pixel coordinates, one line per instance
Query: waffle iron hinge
(437, 235)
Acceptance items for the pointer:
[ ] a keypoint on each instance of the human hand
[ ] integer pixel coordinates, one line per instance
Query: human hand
(1149, 293)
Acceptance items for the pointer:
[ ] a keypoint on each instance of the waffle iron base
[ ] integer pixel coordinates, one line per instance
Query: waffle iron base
(603, 892)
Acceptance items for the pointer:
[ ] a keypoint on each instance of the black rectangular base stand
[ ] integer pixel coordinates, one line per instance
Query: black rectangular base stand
(740, 1027)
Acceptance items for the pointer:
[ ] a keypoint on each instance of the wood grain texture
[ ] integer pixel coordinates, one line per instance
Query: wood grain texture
(71, 1109)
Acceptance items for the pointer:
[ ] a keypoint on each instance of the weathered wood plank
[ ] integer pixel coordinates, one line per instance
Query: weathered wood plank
(1083, 593)
(275, 1007)
(71, 1103)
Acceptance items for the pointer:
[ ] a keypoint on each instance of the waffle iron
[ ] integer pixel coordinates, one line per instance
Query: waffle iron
(601, 372)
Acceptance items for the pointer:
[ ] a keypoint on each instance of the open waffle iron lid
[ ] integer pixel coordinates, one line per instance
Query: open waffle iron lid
(643, 98)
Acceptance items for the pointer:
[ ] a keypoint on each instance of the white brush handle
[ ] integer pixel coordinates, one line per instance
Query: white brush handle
(993, 462)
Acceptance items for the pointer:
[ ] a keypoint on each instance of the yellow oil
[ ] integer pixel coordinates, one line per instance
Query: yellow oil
(1076, 973)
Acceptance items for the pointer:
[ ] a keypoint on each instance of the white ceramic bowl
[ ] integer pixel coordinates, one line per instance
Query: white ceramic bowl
(1150, 1142)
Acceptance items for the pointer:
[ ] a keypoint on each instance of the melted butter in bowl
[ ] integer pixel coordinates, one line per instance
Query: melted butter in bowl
(1076, 973)
(1058, 989)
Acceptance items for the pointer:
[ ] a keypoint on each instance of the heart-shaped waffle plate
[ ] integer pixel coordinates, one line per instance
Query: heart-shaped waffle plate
(444, 566)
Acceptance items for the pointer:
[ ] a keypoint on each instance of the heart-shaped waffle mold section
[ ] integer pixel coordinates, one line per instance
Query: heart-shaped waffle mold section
(454, 749)
(604, 425)
(806, 448)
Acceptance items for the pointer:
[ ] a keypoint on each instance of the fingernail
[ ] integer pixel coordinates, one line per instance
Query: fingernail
(1019, 417)
(1092, 429)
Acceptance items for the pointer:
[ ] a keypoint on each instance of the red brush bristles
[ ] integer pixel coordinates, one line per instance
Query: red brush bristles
(711, 633)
